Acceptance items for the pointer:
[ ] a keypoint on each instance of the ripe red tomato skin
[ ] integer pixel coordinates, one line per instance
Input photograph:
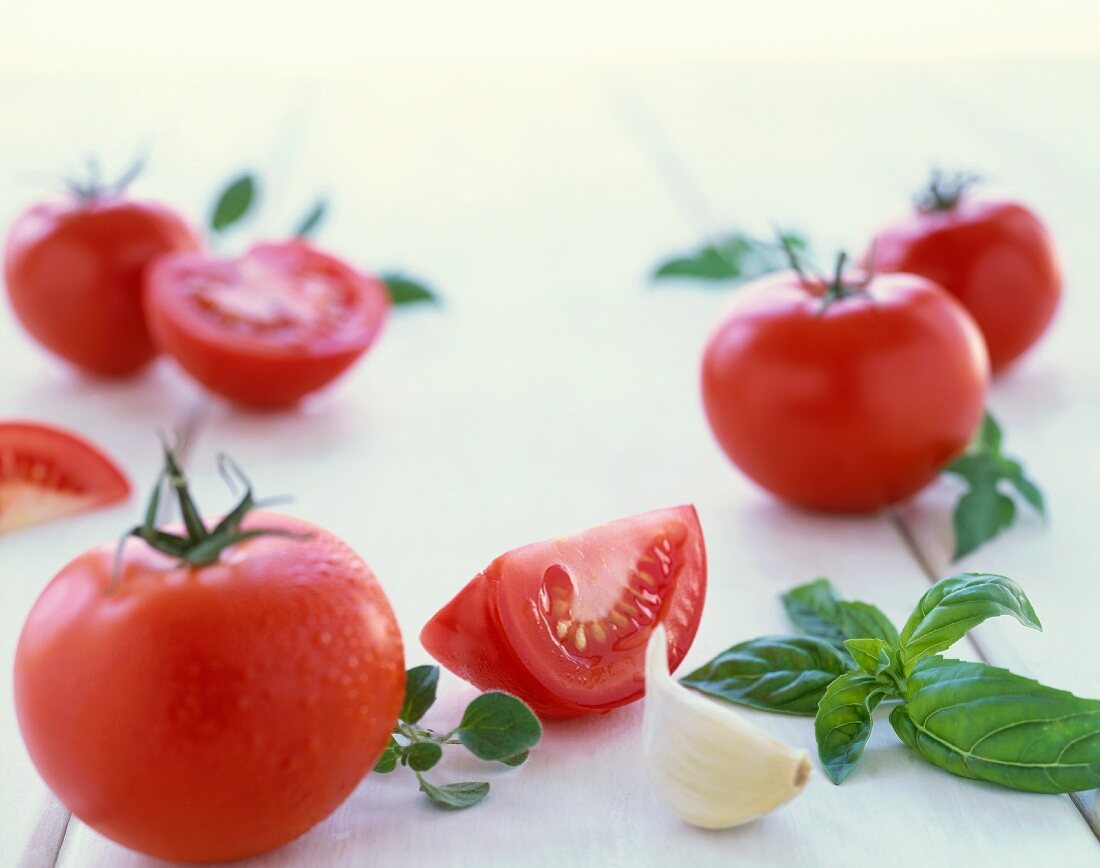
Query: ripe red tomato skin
(847, 410)
(210, 714)
(997, 258)
(74, 275)
(250, 372)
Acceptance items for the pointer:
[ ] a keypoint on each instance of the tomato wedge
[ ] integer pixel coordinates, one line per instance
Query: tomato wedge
(47, 473)
(268, 328)
(563, 623)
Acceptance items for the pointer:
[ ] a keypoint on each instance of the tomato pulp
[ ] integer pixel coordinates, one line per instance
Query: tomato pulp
(996, 258)
(48, 473)
(848, 403)
(563, 623)
(210, 713)
(74, 273)
(269, 328)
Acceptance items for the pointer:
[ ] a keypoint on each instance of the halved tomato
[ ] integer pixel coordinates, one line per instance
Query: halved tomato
(282, 321)
(47, 473)
(563, 624)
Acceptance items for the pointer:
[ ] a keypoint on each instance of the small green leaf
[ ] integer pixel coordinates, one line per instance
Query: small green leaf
(871, 655)
(517, 760)
(843, 722)
(736, 257)
(312, 220)
(420, 687)
(455, 797)
(785, 674)
(233, 202)
(985, 723)
(817, 609)
(981, 514)
(952, 607)
(497, 726)
(408, 290)
(388, 761)
(422, 755)
(985, 509)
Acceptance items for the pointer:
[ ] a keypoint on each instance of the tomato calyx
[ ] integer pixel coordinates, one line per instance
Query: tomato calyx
(95, 187)
(199, 546)
(944, 190)
(829, 289)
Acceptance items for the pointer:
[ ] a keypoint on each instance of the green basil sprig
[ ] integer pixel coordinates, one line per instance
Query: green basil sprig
(971, 719)
(495, 726)
(735, 257)
(986, 509)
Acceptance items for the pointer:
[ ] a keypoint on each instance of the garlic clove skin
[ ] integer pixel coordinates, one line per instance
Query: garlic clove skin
(707, 762)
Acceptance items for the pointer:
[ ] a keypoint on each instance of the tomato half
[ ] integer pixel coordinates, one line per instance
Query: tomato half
(74, 273)
(563, 623)
(269, 328)
(48, 473)
(847, 404)
(996, 258)
(210, 713)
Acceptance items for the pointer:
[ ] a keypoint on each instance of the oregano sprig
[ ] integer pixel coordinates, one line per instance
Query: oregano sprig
(971, 719)
(987, 507)
(495, 727)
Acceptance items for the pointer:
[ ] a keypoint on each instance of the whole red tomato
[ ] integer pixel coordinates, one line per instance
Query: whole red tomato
(74, 273)
(846, 395)
(268, 328)
(206, 704)
(997, 258)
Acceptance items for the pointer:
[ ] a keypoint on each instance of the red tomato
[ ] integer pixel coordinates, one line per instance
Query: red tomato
(74, 274)
(849, 405)
(995, 257)
(210, 713)
(266, 329)
(562, 624)
(47, 473)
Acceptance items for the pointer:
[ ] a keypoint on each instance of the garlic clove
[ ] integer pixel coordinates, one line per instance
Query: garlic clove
(707, 762)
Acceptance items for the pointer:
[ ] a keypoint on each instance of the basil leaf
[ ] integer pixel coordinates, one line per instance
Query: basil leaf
(985, 723)
(871, 655)
(422, 755)
(954, 606)
(517, 760)
(312, 220)
(420, 686)
(455, 797)
(407, 290)
(735, 256)
(388, 761)
(985, 510)
(497, 726)
(817, 609)
(233, 202)
(843, 722)
(785, 674)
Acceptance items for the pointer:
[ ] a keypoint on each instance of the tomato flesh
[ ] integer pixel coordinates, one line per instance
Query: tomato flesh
(269, 328)
(48, 473)
(563, 623)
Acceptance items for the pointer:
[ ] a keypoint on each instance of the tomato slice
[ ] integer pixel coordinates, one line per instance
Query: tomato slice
(48, 473)
(563, 623)
(268, 328)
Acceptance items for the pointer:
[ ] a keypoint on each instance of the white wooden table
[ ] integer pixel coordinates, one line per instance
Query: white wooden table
(557, 390)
